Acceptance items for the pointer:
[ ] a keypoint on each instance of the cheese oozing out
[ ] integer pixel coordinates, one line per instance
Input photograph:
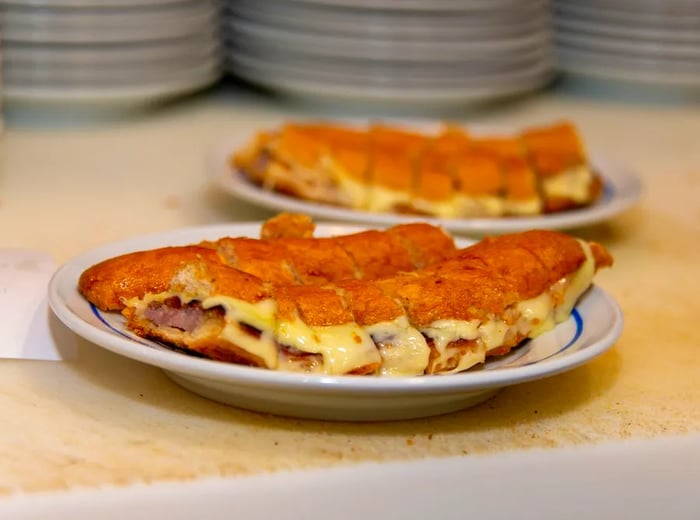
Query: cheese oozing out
(403, 348)
(445, 208)
(573, 184)
(479, 205)
(531, 206)
(385, 199)
(259, 315)
(353, 190)
(536, 316)
(343, 348)
(400, 348)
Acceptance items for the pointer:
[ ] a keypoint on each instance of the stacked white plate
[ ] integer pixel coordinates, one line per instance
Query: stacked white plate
(391, 50)
(108, 50)
(650, 42)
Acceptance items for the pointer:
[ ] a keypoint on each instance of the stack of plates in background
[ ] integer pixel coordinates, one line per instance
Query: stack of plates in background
(108, 50)
(636, 41)
(432, 51)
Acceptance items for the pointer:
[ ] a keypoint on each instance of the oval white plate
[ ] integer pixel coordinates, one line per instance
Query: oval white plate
(593, 327)
(622, 188)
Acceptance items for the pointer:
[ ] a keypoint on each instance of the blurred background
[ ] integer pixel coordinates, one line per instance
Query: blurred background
(367, 56)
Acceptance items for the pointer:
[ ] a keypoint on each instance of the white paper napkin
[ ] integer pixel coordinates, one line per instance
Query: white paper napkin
(29, 330)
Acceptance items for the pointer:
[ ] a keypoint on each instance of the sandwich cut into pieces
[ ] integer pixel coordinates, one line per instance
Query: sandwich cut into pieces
(447, 173)
(451, 311)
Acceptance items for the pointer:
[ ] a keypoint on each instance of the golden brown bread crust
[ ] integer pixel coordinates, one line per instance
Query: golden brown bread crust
(457, 295)
(317, 260)
(261, 258)
(280, 261)
(289, 225)
(316, 306)
(425, 244)
(368, 303)
(110, 282)
(557, 254)
(377, 254)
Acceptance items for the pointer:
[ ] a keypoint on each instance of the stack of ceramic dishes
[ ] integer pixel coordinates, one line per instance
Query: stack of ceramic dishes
(645, 42)
(108, 50)
(432, 51)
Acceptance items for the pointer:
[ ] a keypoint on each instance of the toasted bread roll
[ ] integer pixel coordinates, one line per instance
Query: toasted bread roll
(445, 174)
(557, 155)
(442, 318)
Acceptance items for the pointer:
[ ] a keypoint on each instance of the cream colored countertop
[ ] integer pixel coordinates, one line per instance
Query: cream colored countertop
(103, 419)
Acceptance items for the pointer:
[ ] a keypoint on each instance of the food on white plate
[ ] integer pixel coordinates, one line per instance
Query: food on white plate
(398, 302)
(447, 174)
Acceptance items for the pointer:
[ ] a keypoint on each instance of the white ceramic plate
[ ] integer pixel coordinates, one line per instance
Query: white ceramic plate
(575, 25)
(143, 53)
(627, 68)
(315, 85)
(399, 75)
(109, 96)
(107, 4)
(594, 326)
(639, 14)
(419, 25)
(424, 5)
(642, 48)
(75, 26)
(257, 35)
(622, 188)
(128, 75)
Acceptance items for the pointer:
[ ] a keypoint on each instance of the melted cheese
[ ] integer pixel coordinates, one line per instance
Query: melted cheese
(478, 206)
(538, 314)
(384, 199)
(523, 207)
(493, 333)
(574, 184)
(353, 189)
(541, 312)
(444, 332)
(578, 283)
(403, 348)
(476, 355)
(343, 347)
(446, 208)
(260, 315)
(297, 334)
